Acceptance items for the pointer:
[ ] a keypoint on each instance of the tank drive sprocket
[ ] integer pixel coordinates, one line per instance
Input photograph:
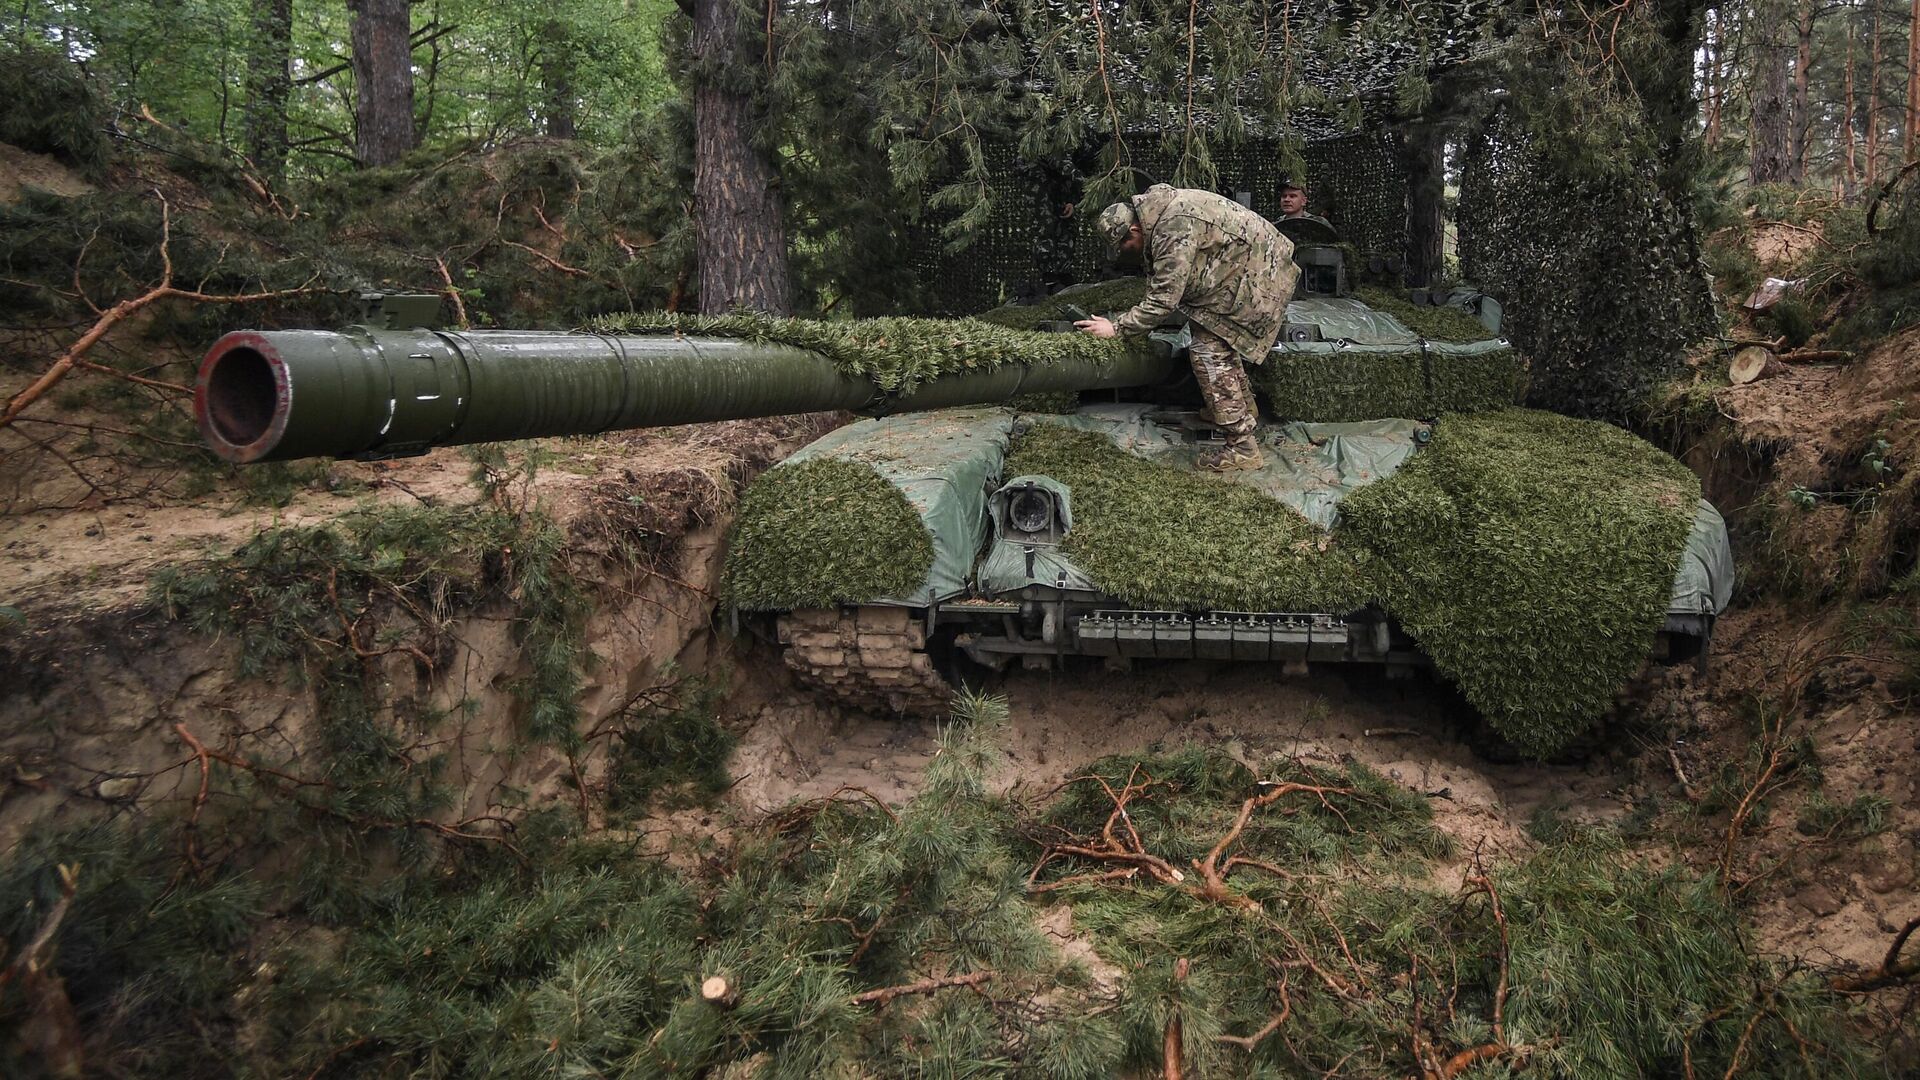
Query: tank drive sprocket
(870, 658)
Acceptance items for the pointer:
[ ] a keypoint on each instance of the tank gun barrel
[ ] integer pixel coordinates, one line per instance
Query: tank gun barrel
(368, 392)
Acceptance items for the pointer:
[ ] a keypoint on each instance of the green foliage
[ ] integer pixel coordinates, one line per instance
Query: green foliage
(1532, 556)
(327, 602)
(1864, 815)
(1160, 537)
(1792, 320)
(671, 744)
(52, 108)
(146, 941)
(821, 532)
(581, 959)
(1612, 968)
(1888, 263)
(559, 969)
(898, 353)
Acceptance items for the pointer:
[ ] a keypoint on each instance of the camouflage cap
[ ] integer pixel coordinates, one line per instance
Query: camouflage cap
(1115, 220)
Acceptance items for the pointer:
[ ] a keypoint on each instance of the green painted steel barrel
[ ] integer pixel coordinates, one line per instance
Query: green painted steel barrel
(271, 395)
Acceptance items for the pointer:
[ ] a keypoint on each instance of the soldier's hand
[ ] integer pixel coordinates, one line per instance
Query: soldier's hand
(1097, 326)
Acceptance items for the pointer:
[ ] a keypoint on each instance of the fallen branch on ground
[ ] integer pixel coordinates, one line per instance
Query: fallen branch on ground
(924, 986)
(1213, 883)
(1891, 971)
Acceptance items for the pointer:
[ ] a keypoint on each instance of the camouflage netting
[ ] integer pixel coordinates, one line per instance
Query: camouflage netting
(822, 532)
(1357, 181)
(1531, 555)
(897, 353)
(1600, 274)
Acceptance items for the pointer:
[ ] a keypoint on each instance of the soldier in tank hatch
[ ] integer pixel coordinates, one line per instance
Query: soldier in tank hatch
(1228, 271)
(1293, 202)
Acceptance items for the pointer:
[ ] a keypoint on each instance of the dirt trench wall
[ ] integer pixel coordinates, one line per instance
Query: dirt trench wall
(93, 704)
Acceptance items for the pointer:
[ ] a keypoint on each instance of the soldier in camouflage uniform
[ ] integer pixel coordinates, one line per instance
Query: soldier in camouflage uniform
(1230, 273)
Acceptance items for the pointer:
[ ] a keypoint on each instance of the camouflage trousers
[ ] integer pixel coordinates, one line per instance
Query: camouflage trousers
(1223, 382)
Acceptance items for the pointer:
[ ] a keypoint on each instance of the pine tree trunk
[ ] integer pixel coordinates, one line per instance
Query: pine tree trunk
(382, 80)
(740, 215)
(1873, 93)
(1770, 162)
(555, 64)
(268, 84)
(1425, 158)
(1802, 115)
(1716, 85)
(1912, 127)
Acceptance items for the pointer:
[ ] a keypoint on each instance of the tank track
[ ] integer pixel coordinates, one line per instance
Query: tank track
(872, 658)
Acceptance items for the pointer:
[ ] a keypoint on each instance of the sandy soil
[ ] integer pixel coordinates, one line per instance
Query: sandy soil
(792, 747)
(23, 169)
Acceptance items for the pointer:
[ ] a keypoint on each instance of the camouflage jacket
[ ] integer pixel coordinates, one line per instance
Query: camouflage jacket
(1215, 262)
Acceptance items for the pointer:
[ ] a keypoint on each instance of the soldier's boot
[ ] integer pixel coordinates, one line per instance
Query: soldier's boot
(1240, 453)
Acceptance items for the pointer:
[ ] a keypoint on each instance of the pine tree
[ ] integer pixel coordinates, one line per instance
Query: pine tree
(383, 80)
(738, 204)
(268, 85)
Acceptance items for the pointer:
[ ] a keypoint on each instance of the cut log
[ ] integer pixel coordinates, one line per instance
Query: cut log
(1752, 364)
(1817, 356)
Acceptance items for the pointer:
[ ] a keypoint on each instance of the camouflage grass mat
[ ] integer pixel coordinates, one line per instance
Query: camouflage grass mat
(1097, 298)
(861, 940)
(1334, 387)
(1532, 556)
(1449, 324)
(896, 352)
(1321, 384)
(822, 532)
(1160, 537)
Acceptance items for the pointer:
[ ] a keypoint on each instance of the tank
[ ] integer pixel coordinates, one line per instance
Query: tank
(1359, 387)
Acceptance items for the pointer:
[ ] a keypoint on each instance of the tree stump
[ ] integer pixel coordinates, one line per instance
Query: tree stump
(718, 992)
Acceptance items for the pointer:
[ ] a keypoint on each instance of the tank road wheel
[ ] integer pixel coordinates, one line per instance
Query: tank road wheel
(871, 658)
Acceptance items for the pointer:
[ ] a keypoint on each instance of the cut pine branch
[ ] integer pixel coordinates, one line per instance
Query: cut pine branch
(120, 312)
